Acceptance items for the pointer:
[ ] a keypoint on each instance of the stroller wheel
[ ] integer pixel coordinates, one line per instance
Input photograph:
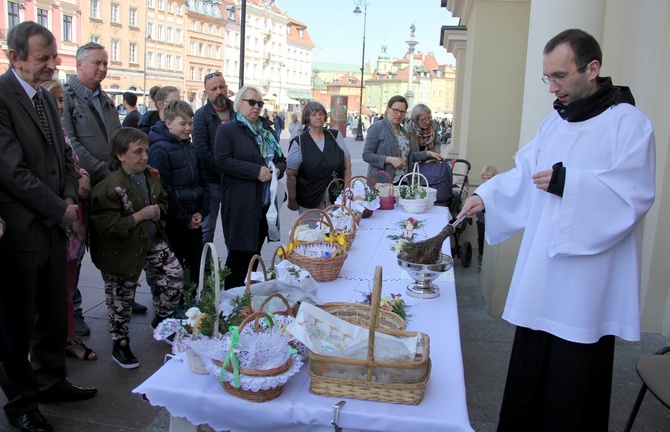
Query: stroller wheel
(466, 256)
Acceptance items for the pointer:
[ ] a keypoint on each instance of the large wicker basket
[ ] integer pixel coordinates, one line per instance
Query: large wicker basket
(393, 382)
(321, 269)
(351, 235)
(361, 315)
(193, 360)
(260, 395)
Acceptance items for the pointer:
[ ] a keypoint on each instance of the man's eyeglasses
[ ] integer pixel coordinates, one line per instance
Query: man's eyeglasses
(253, 102)
(397, 111)
(560, 81)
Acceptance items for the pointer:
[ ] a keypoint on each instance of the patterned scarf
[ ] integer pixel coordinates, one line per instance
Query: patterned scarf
(267, 137)
(424, 136)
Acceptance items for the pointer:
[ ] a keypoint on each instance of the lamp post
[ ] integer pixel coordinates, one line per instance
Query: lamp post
(357, 11)
(144, 86)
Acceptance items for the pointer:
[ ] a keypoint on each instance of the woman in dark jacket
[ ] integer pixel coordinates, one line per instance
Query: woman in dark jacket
(183, 177)
(243, 149)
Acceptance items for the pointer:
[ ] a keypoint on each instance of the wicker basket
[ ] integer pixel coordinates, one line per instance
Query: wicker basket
(351, 235)
(369, 184)
(260, 395)
(415, 205)
(193, 360)
(385, 191)
(393, 382)
(360, 315)
(321, 269)
(335, 185)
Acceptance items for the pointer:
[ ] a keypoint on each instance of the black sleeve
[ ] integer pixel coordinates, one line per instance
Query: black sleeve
(557, 182)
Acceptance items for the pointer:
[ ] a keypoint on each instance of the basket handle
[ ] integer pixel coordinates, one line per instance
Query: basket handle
(336, 181)
(323, 219)
(412, 175)
(374, 177)
(276, 254)
(354, 179)
(209, 247)
(248, 281)
(255, 317)
(375, 304)
(348, 211)
(287, 312)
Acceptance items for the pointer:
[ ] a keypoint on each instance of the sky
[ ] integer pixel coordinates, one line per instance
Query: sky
(338, 33)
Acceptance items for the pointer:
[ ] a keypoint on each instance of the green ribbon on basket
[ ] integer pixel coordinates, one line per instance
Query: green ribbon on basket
(231, 357)
(267, 321)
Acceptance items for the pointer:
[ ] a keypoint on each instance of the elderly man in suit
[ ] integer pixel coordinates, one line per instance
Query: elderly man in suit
(38, 189)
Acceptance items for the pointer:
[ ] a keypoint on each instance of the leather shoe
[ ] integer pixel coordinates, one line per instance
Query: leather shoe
(32, 421)
(66, 392)
(139, 308)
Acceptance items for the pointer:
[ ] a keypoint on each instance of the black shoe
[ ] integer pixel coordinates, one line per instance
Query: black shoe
(32, 421)
(80, 326)
(157, 320)
(122, 354)
(139, 308)
(66, 392)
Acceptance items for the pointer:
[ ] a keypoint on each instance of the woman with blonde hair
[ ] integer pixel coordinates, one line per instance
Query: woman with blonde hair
(243, 150)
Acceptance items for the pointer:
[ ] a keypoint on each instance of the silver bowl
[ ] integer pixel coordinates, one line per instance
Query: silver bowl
(424, 275)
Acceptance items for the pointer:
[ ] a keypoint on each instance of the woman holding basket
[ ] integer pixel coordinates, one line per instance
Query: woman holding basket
(387, 146)
(243, 149)
(315, 157)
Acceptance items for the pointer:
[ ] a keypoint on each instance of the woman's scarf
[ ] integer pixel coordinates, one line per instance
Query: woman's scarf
(425, 137)
(267, 137)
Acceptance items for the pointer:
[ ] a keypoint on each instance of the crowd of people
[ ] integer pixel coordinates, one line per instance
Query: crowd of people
(146, 196)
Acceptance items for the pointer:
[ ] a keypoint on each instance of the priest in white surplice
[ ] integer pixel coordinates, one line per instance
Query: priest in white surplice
(580, 189)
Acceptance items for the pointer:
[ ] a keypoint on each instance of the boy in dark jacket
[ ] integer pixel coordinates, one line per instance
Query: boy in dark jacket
(183, 177)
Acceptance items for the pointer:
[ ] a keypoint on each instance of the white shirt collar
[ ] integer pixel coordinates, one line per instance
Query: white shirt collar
(30, 90)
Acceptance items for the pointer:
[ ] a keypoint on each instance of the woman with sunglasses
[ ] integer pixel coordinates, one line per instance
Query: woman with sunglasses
(387, 146)
(243, 150)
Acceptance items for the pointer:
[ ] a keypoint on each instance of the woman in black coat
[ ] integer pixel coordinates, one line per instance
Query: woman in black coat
(243, 149)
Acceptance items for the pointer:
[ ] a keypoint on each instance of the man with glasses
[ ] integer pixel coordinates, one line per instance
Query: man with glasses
(217, 110)
(580, 190)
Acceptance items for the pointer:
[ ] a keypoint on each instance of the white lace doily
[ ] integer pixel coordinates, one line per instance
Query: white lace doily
(316, 250)
(257, 383)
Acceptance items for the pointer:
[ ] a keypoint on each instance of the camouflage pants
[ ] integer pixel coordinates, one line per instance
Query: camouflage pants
(163, 269)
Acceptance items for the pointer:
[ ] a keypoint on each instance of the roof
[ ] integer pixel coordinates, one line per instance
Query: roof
(336, 67)
(294, 33)
(346, 80)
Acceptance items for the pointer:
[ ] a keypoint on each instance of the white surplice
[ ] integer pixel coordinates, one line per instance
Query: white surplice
(578, 271)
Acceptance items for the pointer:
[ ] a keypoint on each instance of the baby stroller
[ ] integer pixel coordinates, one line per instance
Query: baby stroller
(461, 190)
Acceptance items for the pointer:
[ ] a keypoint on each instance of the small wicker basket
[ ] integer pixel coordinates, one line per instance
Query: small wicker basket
(385, 190)
(193, 360)
(415, 205)
(260, 395)
(394, 382)
(321, 269)
(351, 235)
(368, 184)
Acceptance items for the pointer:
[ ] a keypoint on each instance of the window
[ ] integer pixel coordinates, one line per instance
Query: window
(95, 39)
(43, 17)
(115, 13)
(150, 30)
(168, 61)
(178, 37)
(161, 5)
(114, 50)
(300, 33)
(169, 33)
(193, 51)
(218, 52)
(150, 59)
(209, 29)
(159, 60)
(150, 3)
(209, 51)
(218, 30)
(397, 88)
(200, 70)
(192, 73)
(169, 9)
(192, 24)
(202, 27)
(178, 63)
(159, 32)
(132, 52)
(67, 28)
(132, 21)
(179, 6)
(95, 8)
(201, 49)
(12, 14)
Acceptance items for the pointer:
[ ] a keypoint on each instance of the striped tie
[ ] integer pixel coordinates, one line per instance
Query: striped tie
(39, 107)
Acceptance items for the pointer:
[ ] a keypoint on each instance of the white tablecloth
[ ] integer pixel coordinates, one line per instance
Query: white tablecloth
(201, 400)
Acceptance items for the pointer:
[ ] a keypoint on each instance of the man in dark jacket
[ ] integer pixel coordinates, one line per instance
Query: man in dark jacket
(217, 110)
(132, 115)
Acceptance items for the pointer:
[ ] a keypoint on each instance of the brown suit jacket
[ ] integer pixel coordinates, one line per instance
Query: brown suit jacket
(35, 176)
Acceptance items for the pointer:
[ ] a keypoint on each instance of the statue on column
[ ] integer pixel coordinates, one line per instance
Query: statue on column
(412, 29)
